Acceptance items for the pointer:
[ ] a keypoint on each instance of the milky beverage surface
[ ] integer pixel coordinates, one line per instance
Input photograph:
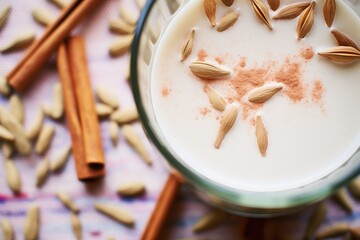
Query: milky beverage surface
(313, 124)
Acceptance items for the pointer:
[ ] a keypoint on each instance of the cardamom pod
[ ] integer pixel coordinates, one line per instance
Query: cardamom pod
(43, 16)
(6, 135)
(216, 100)
(32, 223)
(335, 230)
(20, 42)
(4, 15)
(226, 123)
(121, 27)
(106, 97)
(315, 221)
(261, 136)
(16, 108)
(131, 189)
(36, 126)
(4, 87)
(262, 12)
(342, 198)
(21, 143)
(7, 229)
(114, 133)
(264, 93)
(120, 45)
(133, 138)
(207, 70)
(329, 11)
(227, 21)
(117, 213)
(128, 15)
(76, 226)
(188, 46)
(341, 54)
(209, 221)
(291, 11)
(126, 115)
(42, 172)
(67, 201)
(46, 134)
(12, 176)
(354, 187)
(103, 110)
(7, 149)
(306, 21)
(60, 160)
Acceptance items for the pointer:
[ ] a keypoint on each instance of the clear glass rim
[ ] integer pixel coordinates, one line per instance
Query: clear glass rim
(257, 200)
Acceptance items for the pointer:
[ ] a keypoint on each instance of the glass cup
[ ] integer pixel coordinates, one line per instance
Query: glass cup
(156, 16)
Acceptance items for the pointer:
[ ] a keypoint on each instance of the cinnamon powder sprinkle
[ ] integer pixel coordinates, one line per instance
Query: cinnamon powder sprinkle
(202, 55)
(165, 91)
(317, 92)
(220, 60)
(204, 111)
(307, 53)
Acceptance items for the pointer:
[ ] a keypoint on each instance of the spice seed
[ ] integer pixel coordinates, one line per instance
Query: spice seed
(262, 12)
(121, 45)
(344, 40)
(131, 189)
(315, 221)
(103, 110)
(106, 97)
(128, 15)
(264, 93)
(4, 15)
(6, 135)
(226, 124)
(354, 187)
(46, 134)
(20, 42)
(36, 126)
(76, 226)
(341, 54)
(7, 229)
(4, 87)
(42, 172)
(329, 11)
(216, 100)
(133, 138)
(16, 108)
(32, 223)
(7, 149)
(21, 143)
(57, 109)
(12, 176)
(123, 116)
(261, 136)
(334, 230)
(274, 4)
(43, 16)
(209, 221)
(291, 11)
(67, 201)
(343, 200)
(207, 70)
(210, 11)
(306, 21)
(117, 213)
(61, 3)
(114, 133)
(227, 21)
(121, 27)
(228, 3)
(60, 160)
(188, 46)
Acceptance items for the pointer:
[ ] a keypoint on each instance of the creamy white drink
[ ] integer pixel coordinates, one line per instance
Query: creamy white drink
(312, 124)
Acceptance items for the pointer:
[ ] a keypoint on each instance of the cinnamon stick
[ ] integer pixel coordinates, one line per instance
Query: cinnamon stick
(83, 170)
(162, 208)
(25, 72)
(85, 102)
